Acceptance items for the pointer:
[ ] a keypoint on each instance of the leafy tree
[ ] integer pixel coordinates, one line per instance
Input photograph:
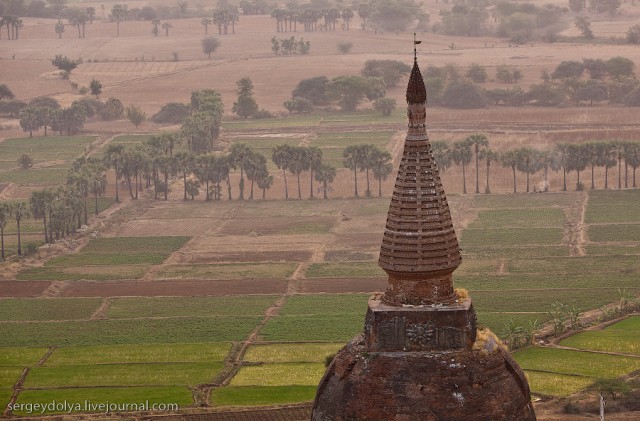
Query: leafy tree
(313, 89)
(349, 91)
(5, 92)
(30, 120)
(118, 13)
(210, 45)
(113, 110)
(464, 20)
(385, 105)
(590, 91)
(597, 68)
(298, 105)
(463, 95)
(477, 73)
(504, 74)
(281, 156)
(166, 26)
(389, 70)
(545, 95)
(568, 69)
(620, 67)
(155, 23)
(65, 64)
(364, 11)
(44, 101)
(393, 15)
(583, 23)
(325, 174)
(135, 115)
(576, 5)
(96, 87)
(59, 28)
(25, 161)
(633, 34)
(246, 105)
(605, 6)
(518, 27)
(633, 98)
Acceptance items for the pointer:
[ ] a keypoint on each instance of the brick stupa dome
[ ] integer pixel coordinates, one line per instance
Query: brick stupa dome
(421, 357)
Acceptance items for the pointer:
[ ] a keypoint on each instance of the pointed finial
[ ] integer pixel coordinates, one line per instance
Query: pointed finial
(415, 49)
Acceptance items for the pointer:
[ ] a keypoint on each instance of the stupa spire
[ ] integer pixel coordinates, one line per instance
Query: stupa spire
(419, 248)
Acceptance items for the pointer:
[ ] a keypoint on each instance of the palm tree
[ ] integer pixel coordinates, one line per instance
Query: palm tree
(78, 180)
(632, 157)
(381, 166)
(620, 154)
(315, 160)
(354, 156)
(20, 211)
(478, 141)
(578, 160)
(511, 159)
(325, 174)
(184, 163)
(264, 181)
(239, 155)
(548, 160)
(39, 203)
(488, 156)
(97, 179)
(281, 156)
(113, 159)
(561, 151)
(166, 26)
(299, 162)
(441, 154)
(5, 213)
(528, 162)
(256, 168)
(609, 154)
(461, 155)
(206, 22)
(221, 170)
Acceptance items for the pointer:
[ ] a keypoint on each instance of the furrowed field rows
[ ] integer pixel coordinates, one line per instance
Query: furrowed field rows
(179, 395)
(613, 206)
(289, 353)
(139, 353)
(575, 265)
(228, 271)
(20, 357)
(122, 308)
(551, 384)
(620, 337)
(524, 200)
(279, 374)
(261, 395)
(104, 272)
(346, 270)
(9, 376)
(511, 236)
(48, 308)
(609, 249)
(529, 251)
(170, 374)
(45, 148)
(111, 332)
(559, 282)
(614, 233)
(526, 218)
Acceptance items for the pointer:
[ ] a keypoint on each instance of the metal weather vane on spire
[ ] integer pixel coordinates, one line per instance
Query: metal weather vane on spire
(415, 50)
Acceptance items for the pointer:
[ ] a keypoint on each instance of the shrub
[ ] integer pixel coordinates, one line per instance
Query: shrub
(172, 113)
(11, 108)
(32, 248)
(44, 101)
(345, 47)
(298, 105)
(385, 105)
(113, 110)
(263, 114)
(25, 161)
(463, 95)
(633, 98)
(92, 107)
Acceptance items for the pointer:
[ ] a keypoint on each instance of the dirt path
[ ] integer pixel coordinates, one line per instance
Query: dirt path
(575, 235)
(101, 312)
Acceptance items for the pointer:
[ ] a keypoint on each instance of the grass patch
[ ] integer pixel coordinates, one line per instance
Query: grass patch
(300, 374)
(551, 384)
(5, 397)
(148, 244)
(325, 304)
(77, 273)
(511, 236)
(524, 200)
(262, 395)
(97, 259)
(180, 396)
(286, 353)
(130, 139)
(9, 376)
(540, 300)
(613, 249)
(45, 148)
(48, 176)
(562, 361)
(484, 252)
(620, 337)
(228, 271)
(615, 232)
(11, 356)
(540, 281)
(123, 375)
(344, 270)
(576, 265)
(613, 206)
(122, 308)
(342, 140)
(112, 332)
(313, 328)
(520, 218)
(48, 308)
(140, 353)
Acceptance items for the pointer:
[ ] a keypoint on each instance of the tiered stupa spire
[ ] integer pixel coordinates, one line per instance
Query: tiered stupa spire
(419, 248)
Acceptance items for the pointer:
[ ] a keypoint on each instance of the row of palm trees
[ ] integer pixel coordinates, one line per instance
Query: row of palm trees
(567, 157)
(370, 159)
(13, 24)
(287, 20)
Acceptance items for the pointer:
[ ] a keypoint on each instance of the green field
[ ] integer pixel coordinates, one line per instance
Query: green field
(325, 304)
(521, 218)
(99, 259)
(110, 245)
(344, 270)
(576, 265)
(261, 395)
(76, 273)
(45, 148)
(313, 328)
(609, 206)
(623, 337)
(141, 331)
(122, 308)
(608, 249)
(287, 353)
(21, 357)
(228, 271)
(48, 308)
(552, 384)
(139, 353)
(511, 236)
(524, 200)
(9, 376)
(614, 232)
(279, 374)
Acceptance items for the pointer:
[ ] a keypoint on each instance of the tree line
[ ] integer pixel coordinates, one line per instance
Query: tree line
(565, 157)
